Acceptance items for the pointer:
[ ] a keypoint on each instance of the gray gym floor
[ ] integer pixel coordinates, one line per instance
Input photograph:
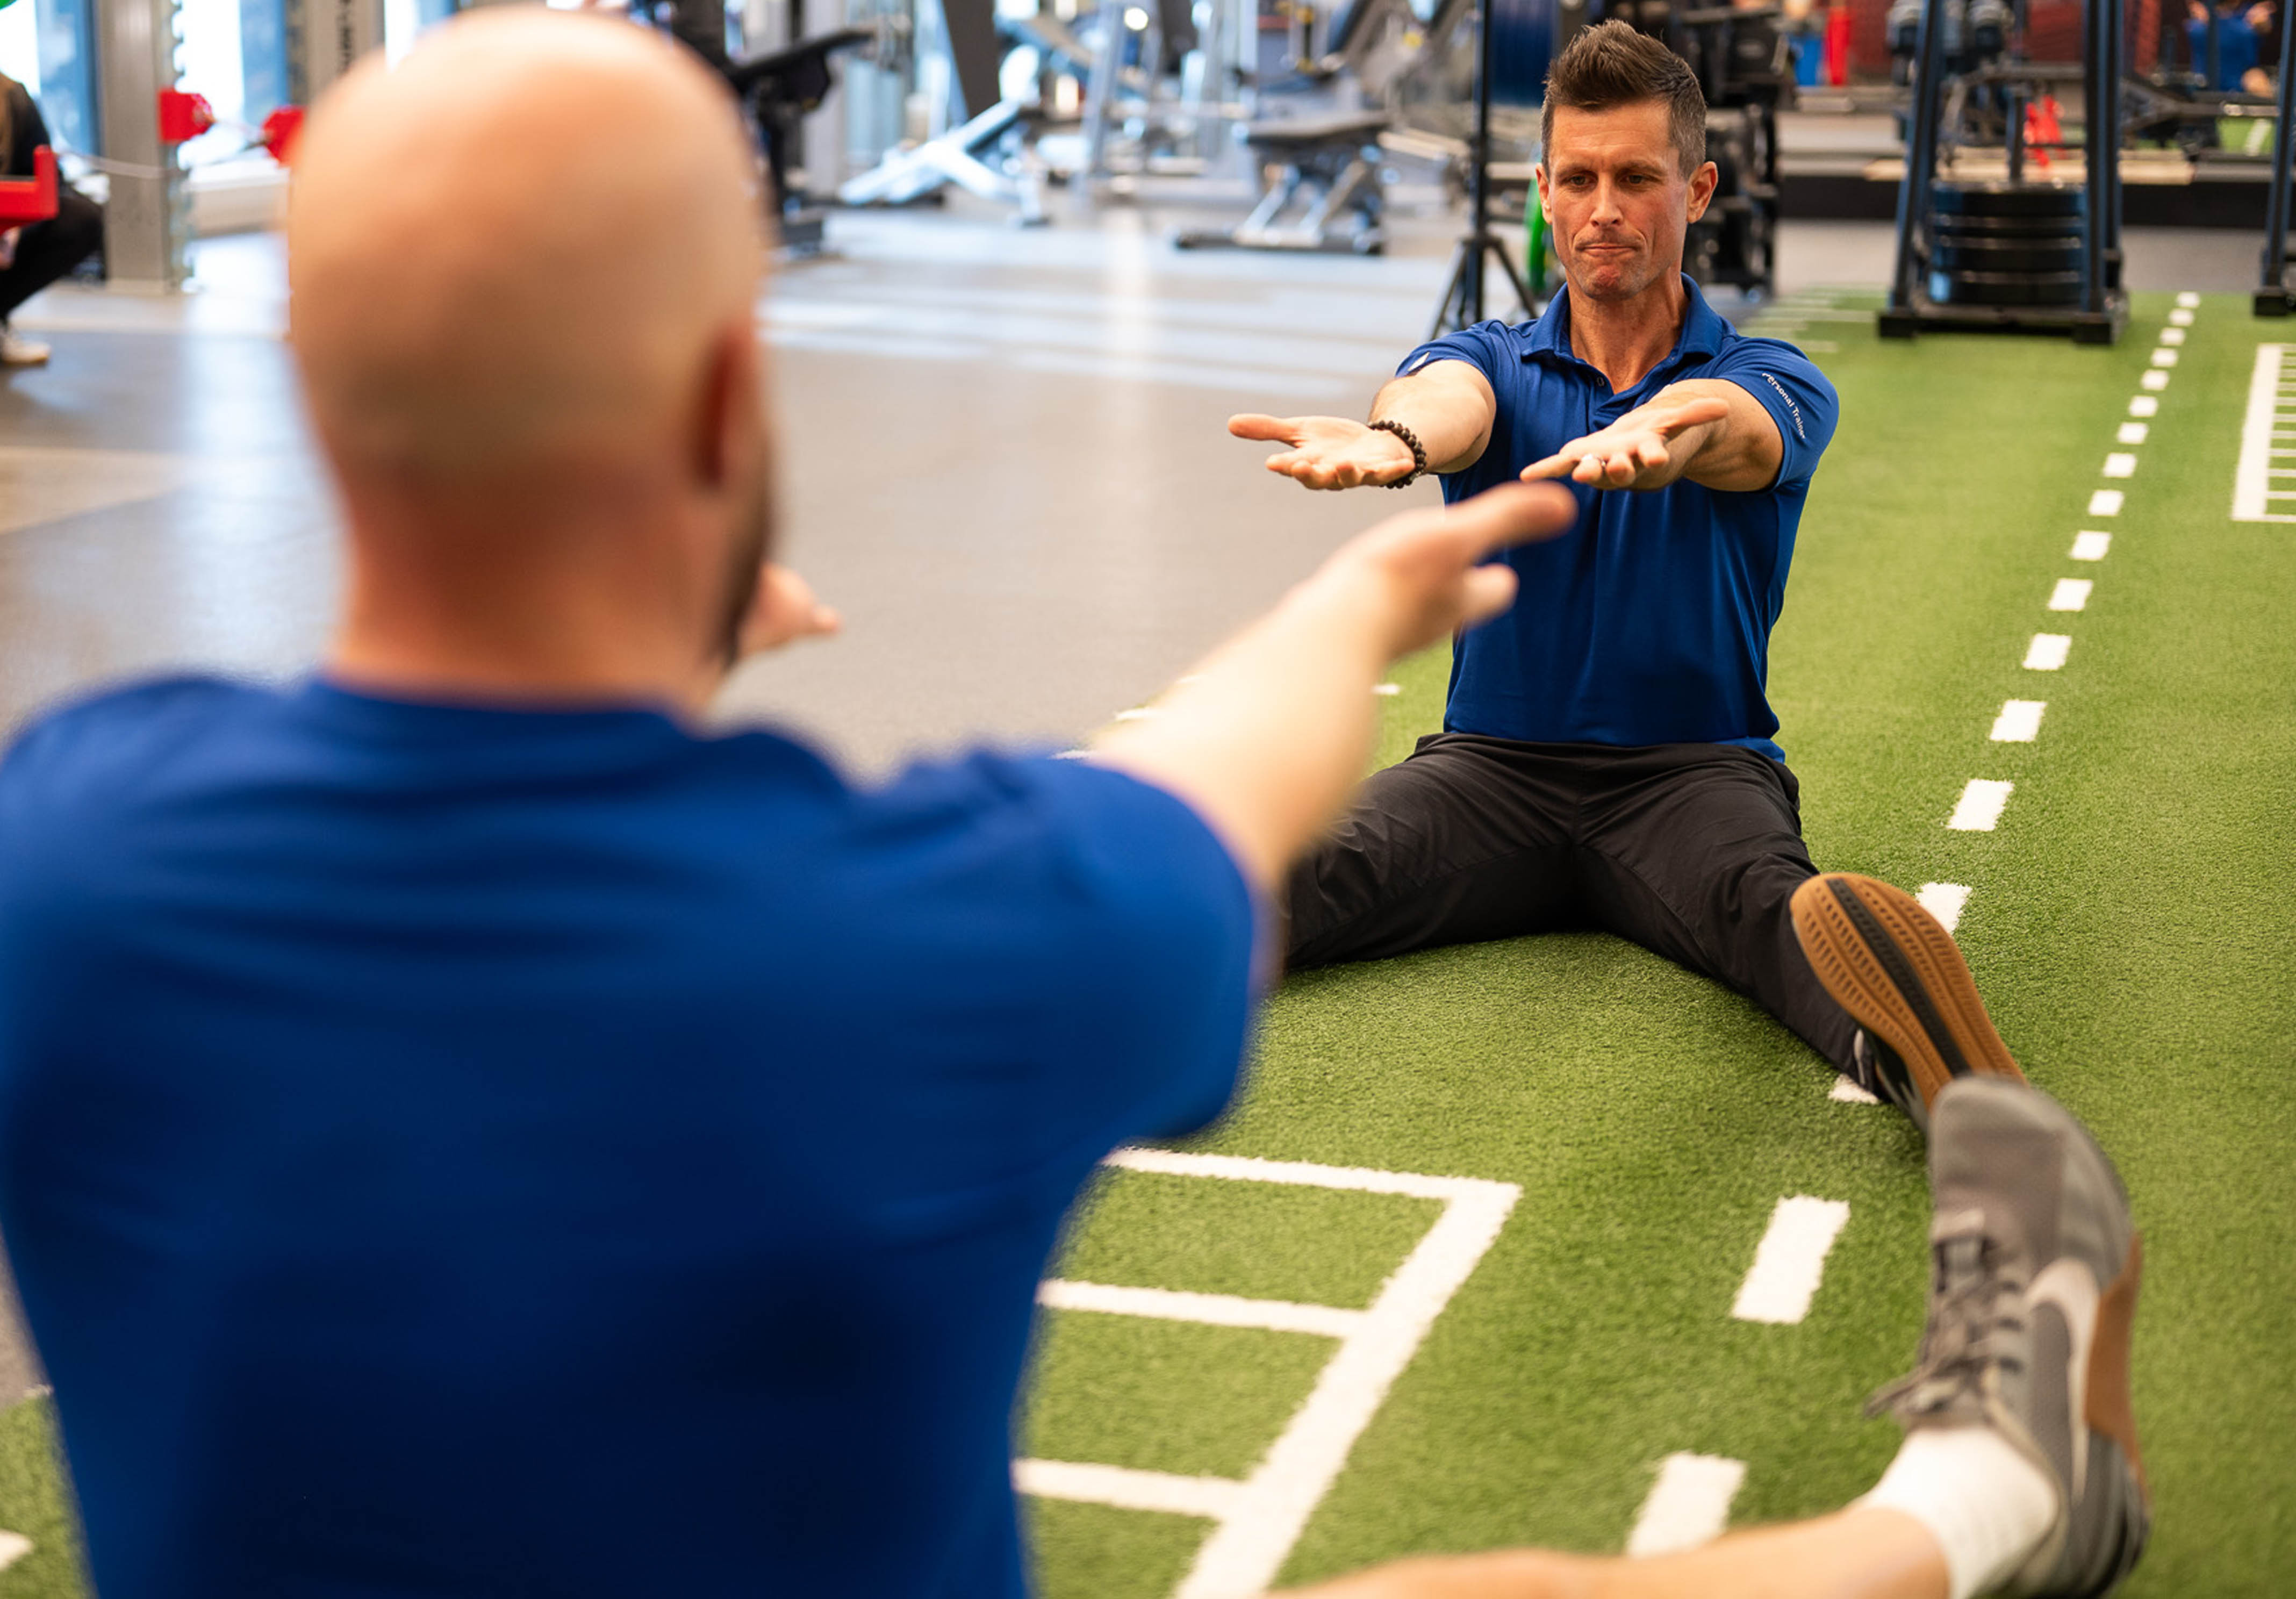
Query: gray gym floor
(1003, 457)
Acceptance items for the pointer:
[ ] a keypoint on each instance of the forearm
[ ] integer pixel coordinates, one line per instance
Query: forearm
(1450, 412)
(1267, 738)
(1740, 452)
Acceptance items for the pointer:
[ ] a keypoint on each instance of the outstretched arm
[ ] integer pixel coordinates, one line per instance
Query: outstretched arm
(1271, 733)
(1707, 429)
(1447, 405)
(1859, 1554)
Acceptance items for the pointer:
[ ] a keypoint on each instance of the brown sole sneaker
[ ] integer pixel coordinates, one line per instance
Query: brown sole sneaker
(1896, 970)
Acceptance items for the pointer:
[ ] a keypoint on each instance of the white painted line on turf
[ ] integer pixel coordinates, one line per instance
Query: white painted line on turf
(2181, 317)
(13, 1548)
(2164, 357)
(2048, 651)
(2188, 299)
(1128, 1489)
(1211, 1309)
(2131, 432)
(2091, 545)
(1945, 901)
(2070, 594)
(2106, 502)
(1789, 1260)
(2154, 381)
(2172, 336)
(2251, 480)
(1850, 1094)
(2020, 721)
(1688, 1506)
(1387, 688)
(2120, 463)
(2144, 404)
(1980, 807)
(1261, 1517)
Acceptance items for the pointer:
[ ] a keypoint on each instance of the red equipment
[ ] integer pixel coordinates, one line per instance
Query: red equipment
(183, 117)
(30, 200)
(279, 131)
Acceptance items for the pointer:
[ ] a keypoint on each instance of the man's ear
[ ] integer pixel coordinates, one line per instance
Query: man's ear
(1539, 176)
(727, 428)
(1701, 189)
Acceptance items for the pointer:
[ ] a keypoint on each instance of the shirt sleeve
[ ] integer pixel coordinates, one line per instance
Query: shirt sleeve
(1108, 928)
(1165, 1005)
(1793, 391)
(1488, 346)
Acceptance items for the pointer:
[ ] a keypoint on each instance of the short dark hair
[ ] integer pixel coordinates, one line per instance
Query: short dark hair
(1610, 65)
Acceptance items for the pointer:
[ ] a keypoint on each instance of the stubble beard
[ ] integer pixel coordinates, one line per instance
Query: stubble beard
(752, 542)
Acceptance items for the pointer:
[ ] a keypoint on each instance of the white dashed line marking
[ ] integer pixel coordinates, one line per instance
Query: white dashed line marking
(1945, 901)
(2048, 651)
(2164, 357)
(1387, 688)
(1789, 1260)
(1981, 806)
(2090, 546)
(2120, 464)
(2131, 432)
(2020, 721)
(2172, 335)
(2145, 405)
(2180, 318)
(2188, 299)
(1688, 1506)
(2106, 502)
(15, 1545)
(2070, 594)
(2154, 381)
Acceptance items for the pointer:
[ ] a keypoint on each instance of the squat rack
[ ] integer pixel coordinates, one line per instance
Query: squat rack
(2104, 310)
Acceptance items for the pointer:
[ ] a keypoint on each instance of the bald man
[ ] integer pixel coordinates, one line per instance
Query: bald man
(465, 1131)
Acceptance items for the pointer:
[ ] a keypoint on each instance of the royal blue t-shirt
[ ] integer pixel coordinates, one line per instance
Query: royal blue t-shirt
(1650, 622)
(461, 1152)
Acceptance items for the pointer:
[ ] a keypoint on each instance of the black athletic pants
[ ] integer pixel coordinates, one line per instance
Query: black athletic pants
(46, 251)
(1692, 851)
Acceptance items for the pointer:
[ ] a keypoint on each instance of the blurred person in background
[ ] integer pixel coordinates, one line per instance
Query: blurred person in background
(38, 253)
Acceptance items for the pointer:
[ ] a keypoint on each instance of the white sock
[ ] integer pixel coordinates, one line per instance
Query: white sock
(1987, 1506)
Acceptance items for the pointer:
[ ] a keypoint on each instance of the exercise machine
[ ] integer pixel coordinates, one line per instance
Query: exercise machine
(987, 152)
(2013, 255)
(2275, 290)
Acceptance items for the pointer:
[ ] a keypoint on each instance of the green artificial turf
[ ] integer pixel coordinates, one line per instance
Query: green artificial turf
(35, 1503)
(2133, 926)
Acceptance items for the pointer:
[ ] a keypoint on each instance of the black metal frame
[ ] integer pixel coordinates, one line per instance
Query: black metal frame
(2102, 313)
(1462, 304)
(2274, 294)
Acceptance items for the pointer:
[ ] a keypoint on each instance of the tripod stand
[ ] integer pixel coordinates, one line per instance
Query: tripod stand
(1462, 304)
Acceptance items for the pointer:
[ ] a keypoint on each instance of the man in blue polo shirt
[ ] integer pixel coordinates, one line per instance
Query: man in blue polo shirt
(1607, 754)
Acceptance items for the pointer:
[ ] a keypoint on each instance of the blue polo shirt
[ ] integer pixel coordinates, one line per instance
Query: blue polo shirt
(1650, 622)
(452, 1151)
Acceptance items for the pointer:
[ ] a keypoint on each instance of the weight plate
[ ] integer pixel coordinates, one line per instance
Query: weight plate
(2022, 201)
(2018, 256)
(2008, 228)
(2006, 289)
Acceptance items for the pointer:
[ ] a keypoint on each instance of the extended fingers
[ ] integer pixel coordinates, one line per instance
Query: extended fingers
(1512, 513)
(1251, 424)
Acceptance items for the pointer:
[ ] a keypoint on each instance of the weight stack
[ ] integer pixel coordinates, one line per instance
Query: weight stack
(2006, 245)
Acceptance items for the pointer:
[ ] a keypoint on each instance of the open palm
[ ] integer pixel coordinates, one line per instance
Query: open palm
(1328, 452)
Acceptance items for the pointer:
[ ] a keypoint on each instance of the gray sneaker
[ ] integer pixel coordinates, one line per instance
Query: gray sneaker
(2030, 1312)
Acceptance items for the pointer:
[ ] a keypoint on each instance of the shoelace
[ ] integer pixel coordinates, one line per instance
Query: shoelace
(1974, 1328)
